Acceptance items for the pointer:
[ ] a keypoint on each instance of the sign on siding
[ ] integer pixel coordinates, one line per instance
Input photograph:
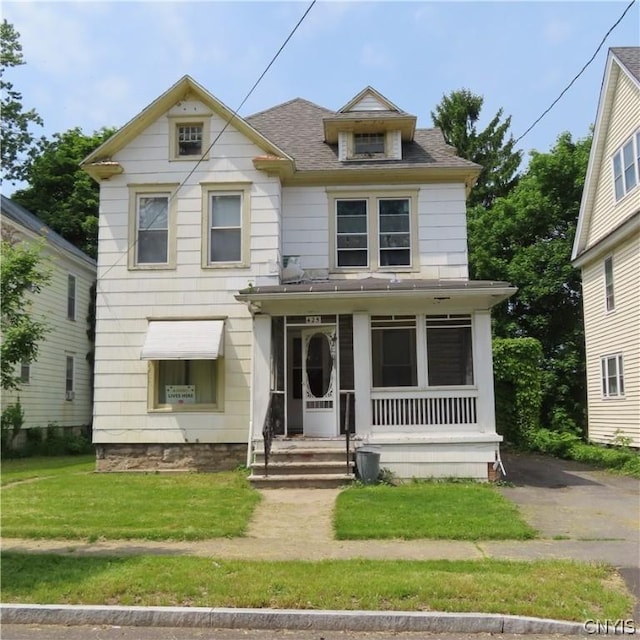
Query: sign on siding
(180, 393)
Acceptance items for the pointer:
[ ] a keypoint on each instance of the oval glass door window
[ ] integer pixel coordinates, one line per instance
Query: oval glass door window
(319, 365)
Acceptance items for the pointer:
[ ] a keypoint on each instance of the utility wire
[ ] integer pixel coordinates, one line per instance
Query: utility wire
(579, 73)
(224, 128)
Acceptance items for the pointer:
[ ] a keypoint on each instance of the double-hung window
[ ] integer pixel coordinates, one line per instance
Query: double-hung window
(225, 232)
(394, 225)
(71, 297)
(152, 226)
(374, 231)
(70, 378)
(612, 376)
(25, 373)
(626, 166)
(608, 284)
(352, 235)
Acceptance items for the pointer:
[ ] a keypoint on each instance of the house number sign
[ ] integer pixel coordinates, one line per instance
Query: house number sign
(314, 319)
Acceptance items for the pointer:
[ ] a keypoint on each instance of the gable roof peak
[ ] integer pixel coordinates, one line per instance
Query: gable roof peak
(369, 99)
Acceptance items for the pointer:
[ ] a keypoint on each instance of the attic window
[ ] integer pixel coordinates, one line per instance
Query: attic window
(368, 143)
(189, 139)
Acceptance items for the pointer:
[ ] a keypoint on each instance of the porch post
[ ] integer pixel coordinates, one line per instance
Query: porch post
(261, 374)
(362, 372)
(483, 358)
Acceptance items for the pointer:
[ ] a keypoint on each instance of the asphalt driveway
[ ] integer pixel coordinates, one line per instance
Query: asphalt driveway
(586, 510)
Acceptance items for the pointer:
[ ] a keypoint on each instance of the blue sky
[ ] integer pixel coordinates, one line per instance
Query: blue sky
(93, 64)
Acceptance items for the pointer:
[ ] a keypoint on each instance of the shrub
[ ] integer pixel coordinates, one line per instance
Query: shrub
(518, 390)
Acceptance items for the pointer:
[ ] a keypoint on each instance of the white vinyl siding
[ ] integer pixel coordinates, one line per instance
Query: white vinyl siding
(612, 334)
(608, 210)
(43, 397)
(193, 289)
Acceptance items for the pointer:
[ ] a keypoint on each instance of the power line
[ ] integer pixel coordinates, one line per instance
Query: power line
(579, 73)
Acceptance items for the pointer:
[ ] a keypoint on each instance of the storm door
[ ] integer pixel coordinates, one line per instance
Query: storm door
(319, 382)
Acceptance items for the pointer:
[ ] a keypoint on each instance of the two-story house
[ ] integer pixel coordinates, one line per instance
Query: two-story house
(607, 250)
(303, 265)
(56, 388)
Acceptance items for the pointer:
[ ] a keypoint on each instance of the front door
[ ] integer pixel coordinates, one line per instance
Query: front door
(319, 414)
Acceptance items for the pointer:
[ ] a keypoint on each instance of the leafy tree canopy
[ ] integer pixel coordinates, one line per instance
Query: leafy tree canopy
(18, 142)
(22, 275)
(60, 193)
(526, 238)
(492, 148)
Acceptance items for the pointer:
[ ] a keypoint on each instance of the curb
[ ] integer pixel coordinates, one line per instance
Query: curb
(227, 618)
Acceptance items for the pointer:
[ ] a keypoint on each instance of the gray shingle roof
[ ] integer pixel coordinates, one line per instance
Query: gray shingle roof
(297, 128)
(630, 58)
(15, 212)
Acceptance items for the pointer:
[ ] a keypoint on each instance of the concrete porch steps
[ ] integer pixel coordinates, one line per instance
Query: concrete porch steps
(301, 462)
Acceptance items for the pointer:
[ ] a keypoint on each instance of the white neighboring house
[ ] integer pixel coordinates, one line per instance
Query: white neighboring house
(607, 249)
(301, 268)
(56, 388)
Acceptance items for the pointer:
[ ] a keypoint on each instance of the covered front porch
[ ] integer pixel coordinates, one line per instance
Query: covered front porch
(405, 366)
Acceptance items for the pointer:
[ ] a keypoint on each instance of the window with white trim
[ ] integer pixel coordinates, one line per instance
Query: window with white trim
(626, 167)
(25, 373)
(152, 228)
(612, 376)
(69, 378)
(393, 351)
(225, 224)
(608, 284)
(184, 385)
(352, 233)
(449, 350)
(368, 143)
(373, 231)
(71, 297)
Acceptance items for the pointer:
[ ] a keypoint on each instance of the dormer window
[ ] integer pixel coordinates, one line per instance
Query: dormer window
(189, 139)
(368, 143)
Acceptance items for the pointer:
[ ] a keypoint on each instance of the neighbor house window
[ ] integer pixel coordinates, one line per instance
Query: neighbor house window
(394, 224)
(626, 166)
(185, 384)
(71, 297)
(25, 373)
(368, 143)
(225, 224)
(608, 284)
(69, 378)
(374, 231)
(393, 351)
(152, 225)
(612, 376)
(449, 350)
(352, 233)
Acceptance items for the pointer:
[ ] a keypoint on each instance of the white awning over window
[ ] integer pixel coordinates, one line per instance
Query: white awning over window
(184, 340)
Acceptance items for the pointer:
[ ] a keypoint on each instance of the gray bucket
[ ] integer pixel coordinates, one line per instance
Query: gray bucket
(368, 464)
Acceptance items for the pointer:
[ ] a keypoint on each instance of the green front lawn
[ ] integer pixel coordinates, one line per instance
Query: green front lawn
(128, 506)
(449, 511)
(18, 469)
(550, 589)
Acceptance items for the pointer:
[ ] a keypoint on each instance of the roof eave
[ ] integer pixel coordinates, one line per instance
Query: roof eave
(333, 125)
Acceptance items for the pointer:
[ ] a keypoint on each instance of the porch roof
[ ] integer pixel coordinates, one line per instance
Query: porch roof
(486, 292)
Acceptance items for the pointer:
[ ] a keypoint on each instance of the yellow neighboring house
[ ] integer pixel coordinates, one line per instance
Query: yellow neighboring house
(607, 249)
(56, 388)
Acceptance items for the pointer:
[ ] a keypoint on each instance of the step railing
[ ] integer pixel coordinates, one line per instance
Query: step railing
(273, 421)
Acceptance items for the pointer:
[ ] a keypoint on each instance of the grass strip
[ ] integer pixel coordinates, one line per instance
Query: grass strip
(436, 510)
(550, 589)
(130, 506)
(19, 469)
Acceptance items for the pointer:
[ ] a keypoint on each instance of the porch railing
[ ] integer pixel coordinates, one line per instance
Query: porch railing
(273, 423)
(424, 409)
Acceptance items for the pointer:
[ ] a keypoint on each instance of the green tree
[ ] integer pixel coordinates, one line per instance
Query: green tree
(526, 238)
(60, 193)
(457, 116)
(22, 275)
(18, 143)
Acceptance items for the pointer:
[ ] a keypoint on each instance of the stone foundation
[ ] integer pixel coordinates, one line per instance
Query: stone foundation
(170, 457)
